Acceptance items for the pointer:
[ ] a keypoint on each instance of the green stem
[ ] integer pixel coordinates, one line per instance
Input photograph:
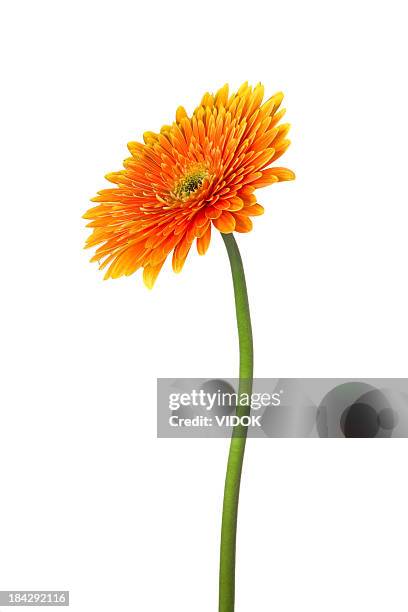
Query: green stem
(238, 439)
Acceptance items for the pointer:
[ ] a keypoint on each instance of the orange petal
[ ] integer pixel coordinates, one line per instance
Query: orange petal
(225, 223)
(249, 200)
(222, 204)
(256, 98)
(270, 106)
(221, 97)
(283, 129)
(200, 230)
(200, 218)
(284, 174)
(246, 190)
(251, 178)
(268, 177)
(150, 137)
(242, 224)
(280, 149)
(180, 114)
(135, 148)
(255, 210)
(236, 203)
(212, 213)
(150, 273)
(204, 241)
(180, 254)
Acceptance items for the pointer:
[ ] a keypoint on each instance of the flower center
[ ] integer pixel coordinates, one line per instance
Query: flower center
(190, 182)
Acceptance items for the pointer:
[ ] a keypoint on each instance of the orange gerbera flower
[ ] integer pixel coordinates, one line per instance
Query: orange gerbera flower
(200, 171)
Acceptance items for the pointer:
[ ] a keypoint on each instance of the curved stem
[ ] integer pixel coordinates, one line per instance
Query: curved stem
(238, 439)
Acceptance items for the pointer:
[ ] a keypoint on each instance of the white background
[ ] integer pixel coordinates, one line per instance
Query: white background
(90, 500)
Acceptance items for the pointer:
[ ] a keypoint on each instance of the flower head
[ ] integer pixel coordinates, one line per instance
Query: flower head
(199, 172)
